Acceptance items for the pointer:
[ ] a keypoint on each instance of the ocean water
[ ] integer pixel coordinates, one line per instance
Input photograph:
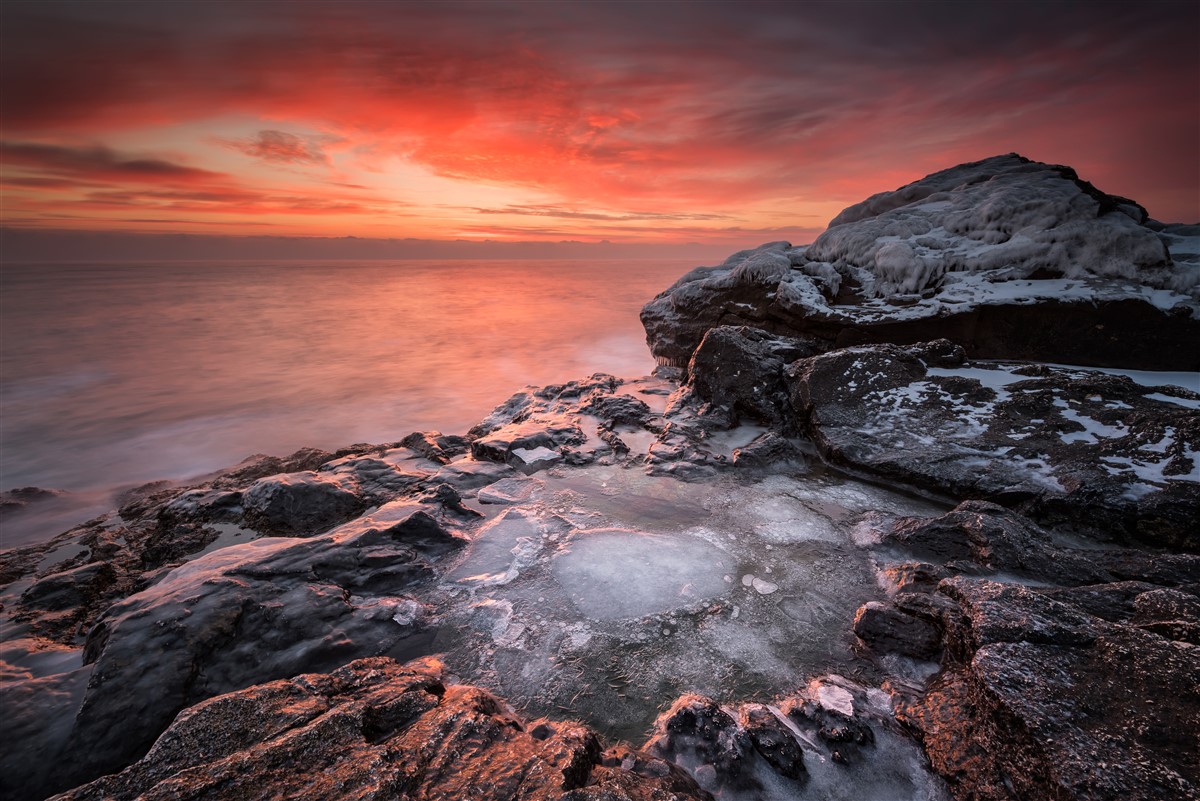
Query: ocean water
(112, 375)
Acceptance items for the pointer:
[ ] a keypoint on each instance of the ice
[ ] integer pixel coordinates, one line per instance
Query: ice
(534, 458)
(626, 590)
(499, 551)
(836, 698)
(616, 574)
(509, 491)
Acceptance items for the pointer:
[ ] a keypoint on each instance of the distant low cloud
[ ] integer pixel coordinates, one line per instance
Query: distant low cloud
(573, 214)
(281, 147)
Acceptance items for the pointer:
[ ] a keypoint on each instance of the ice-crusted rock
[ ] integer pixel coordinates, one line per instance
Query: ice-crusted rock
(832, 739)
(1040, 698)
(1088, 449)
(378, 729)
(1007, 257)
(245, 614)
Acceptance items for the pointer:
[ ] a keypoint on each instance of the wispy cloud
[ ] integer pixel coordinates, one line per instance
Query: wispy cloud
(281, 147)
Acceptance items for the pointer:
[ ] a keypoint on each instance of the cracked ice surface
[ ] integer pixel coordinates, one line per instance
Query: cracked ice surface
(605, 593)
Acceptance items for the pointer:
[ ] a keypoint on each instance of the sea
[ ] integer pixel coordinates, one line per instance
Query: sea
(113, 375)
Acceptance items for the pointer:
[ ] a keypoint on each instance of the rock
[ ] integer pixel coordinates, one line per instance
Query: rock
(979, 537)
(770, 451)
(617, 409)
(299, 504)
(695, 730)
(501, 444)
(1009, 258)
(19, 498)
(773, 741)
(259, 466)
(468, 474)
(888, 629)
(1042, 700)
(69, 588)
(742, 369)
(435, 446)
(1062, 445)
(265, 610)
(376, 729)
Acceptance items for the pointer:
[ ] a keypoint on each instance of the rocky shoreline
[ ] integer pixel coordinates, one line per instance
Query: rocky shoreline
(854, 539)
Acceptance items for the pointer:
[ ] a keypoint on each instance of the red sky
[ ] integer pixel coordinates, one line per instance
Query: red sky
(720, 123)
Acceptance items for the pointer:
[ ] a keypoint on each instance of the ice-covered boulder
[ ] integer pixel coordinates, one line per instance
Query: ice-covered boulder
(1007, 257)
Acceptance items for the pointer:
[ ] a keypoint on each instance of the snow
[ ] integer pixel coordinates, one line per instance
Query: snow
(1093, 430)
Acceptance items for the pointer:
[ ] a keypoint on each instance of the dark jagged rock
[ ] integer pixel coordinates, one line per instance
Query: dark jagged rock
(1087, 449)
(886, 628)
(435, 446)
(770, 451)
(742, 369)
(376, 729)
(617, 409)
(299, 504)
(1008, 258)
(695, 731)
(773, 741)
(1039, 699)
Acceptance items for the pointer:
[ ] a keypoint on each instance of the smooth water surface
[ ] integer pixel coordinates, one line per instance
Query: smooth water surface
(119, 374)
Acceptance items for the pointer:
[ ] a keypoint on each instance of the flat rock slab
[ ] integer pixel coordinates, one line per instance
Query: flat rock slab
(1064, 444)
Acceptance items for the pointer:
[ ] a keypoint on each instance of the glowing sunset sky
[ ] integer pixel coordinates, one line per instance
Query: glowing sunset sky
(637, 122)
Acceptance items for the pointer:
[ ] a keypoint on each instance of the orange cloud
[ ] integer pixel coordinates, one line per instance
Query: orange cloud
(753, 117)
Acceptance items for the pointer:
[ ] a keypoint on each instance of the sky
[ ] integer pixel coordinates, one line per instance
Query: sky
(659, 123)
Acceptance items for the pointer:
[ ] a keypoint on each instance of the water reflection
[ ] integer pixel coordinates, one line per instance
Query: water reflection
(118, 374)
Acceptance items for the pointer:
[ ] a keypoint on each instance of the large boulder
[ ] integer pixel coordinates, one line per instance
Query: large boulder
(1007, 257)
(378, 729)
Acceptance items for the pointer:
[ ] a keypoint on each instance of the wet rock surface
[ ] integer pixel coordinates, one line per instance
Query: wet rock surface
(1045, 690)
